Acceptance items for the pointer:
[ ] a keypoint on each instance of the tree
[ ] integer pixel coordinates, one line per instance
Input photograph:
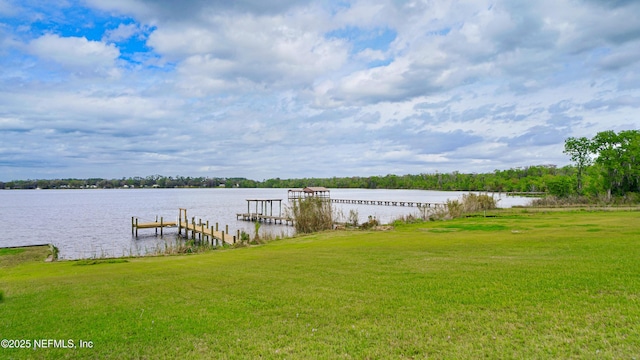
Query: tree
(580, 150)
(618, 155)
(559, 186)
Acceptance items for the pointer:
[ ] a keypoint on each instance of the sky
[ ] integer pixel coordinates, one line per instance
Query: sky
(292, 89)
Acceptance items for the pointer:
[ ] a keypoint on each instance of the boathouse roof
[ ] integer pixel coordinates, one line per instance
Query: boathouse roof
(315, 189)
(318, 191)
(310, 189)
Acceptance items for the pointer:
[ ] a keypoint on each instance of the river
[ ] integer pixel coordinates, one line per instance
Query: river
(97, 223)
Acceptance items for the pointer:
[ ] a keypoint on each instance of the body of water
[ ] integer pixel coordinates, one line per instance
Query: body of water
(97, 223)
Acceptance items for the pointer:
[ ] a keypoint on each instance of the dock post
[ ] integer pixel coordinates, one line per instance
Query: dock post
(132, 226)
(161, 226)
(202, 236)
(223, 238)
(216, 226)
(226, 229)
(213, 238)
(136, 227)
(180, 211)
(193, 229)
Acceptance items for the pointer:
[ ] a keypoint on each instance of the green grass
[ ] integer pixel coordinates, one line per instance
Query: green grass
(514, 285)
(13, 256)
(11, 251)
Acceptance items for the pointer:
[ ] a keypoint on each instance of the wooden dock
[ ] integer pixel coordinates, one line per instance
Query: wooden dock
(264, 212)
(197, 230)
(203, 231)
(264, 218)
(157, 224)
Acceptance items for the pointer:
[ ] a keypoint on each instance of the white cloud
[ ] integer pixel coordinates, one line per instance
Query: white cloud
(74, 52)
(121, 33)
(235, 51)
(235, 87)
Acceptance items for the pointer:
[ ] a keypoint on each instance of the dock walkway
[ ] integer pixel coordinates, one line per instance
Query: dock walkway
(157, 224)
(264, 212)
(207, 233)
(264, 218)
(390, 203)
(204, 231)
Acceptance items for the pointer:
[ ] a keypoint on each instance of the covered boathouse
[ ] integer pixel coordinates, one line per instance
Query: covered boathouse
(309, 191)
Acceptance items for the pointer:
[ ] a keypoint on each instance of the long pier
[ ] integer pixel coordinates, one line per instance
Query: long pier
(526, 193)
(390, 203)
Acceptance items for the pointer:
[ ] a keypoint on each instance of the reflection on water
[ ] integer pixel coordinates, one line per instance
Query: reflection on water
(97, 223)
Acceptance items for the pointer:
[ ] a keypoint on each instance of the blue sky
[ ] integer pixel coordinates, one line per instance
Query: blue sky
(114, 88)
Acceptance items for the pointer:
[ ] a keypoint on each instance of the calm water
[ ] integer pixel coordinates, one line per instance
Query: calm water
(97, 223)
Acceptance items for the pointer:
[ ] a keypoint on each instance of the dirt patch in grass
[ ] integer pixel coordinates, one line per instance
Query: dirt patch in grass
(476, 227)
(99, 261)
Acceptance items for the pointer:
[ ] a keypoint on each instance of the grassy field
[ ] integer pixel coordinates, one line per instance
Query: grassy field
(515, 284)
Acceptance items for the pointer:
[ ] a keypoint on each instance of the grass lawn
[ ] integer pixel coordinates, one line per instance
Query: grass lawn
(516, 284)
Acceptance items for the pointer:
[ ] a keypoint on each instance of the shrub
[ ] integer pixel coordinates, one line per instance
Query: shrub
(630, 198)
(312, 214)
(373, 222)
(581, 200)
(408, 219)
(454, 208)
(353, 218)
(473, 202)
(553, 201)
(54, 251)
(257, 229)
(468, 204)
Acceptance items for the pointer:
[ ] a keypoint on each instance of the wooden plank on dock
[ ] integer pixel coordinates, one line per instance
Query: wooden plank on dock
(156, 225)
(210, 232)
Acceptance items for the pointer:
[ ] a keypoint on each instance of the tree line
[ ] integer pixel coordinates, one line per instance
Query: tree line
(156, 181)
(526, 179)
(604, 166)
